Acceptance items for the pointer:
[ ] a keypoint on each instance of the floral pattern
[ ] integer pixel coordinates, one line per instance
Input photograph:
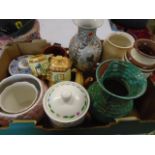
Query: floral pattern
(77, 114)
(85, 49)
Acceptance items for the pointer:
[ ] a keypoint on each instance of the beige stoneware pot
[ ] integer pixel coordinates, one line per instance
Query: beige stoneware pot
(116, 45)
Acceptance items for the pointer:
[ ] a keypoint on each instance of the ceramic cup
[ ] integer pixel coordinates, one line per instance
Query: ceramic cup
(35, 112)
(18, 97)
(116, 45)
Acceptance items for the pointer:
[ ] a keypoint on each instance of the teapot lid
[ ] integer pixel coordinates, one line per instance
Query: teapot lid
(60, 63)
(66, 101)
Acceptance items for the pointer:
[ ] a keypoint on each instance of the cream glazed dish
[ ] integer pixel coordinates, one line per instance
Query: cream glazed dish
(18, 97)
(66, 104)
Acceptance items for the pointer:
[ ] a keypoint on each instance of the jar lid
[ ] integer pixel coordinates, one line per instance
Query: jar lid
(59, 63)
(66, 102)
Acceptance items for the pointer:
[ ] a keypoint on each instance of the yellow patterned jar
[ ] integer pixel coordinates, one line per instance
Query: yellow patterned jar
(59, 70)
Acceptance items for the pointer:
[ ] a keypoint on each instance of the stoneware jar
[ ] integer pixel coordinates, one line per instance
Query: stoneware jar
(116, 45)
(85, 47)
(35, 112)
(118, 83)
(66, 104)
(139, 61)
(144, 53)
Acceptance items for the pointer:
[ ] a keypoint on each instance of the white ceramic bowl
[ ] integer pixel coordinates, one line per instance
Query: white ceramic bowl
(35, 112)
(18, 97)
(66, 104)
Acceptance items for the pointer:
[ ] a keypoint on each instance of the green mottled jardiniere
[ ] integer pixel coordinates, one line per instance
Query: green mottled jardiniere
(118, 83)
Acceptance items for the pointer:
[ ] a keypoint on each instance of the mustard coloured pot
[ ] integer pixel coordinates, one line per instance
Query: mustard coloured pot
(59, 69)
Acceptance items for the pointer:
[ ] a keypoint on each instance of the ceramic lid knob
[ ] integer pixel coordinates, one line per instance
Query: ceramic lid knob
(66, 95)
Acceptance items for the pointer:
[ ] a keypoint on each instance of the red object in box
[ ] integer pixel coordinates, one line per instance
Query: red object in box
(152, 77)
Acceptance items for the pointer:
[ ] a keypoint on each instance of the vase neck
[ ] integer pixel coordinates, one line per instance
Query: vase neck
(86, 34)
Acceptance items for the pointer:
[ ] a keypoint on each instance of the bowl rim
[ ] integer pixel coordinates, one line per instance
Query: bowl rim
(134, 62)
(65, 121)
(40, 95)
(16, 84)
(120, 33)
(143, 66)
(118, 96)
(138, 50)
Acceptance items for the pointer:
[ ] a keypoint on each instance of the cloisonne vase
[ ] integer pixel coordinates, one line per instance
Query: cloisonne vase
(85, 47)
(118, 83)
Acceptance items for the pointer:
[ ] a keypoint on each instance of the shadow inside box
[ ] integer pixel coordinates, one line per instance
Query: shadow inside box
(145, 105)
(144, 112)
(88, 122)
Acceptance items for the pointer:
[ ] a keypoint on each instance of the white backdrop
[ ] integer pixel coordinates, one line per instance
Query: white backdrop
(61, 30)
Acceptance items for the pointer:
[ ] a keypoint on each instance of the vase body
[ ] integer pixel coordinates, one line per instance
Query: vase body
(118, 83)
(85, 48)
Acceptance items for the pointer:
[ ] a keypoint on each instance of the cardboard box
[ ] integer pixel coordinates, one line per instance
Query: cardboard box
(126, 125)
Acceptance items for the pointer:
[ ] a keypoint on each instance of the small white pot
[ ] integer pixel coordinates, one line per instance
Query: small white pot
(66, 104)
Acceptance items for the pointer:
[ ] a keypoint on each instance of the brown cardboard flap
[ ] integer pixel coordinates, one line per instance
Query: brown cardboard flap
(34, 47)
(12, 50)
(4, 63)
(9, 52)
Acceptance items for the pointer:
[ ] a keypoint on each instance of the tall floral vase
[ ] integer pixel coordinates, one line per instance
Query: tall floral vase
(85, 47)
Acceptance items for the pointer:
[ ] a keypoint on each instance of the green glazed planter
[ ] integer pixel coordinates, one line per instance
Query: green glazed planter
(118, 83)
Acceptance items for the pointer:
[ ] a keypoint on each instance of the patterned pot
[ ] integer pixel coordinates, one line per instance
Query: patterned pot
(118, 83)
(85, 47)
